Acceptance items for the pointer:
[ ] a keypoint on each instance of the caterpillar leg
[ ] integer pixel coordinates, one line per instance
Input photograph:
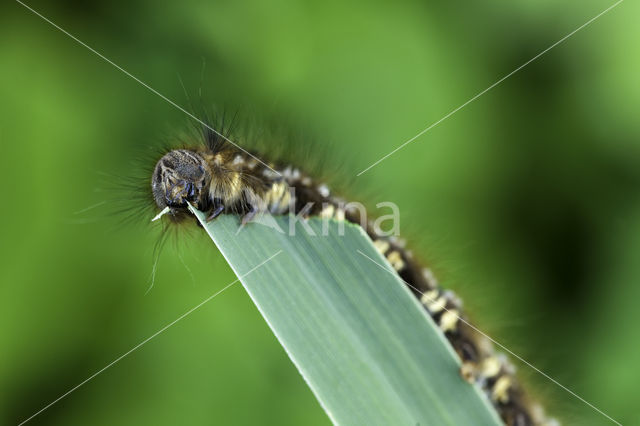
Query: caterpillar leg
(215, 212)
(250, 215)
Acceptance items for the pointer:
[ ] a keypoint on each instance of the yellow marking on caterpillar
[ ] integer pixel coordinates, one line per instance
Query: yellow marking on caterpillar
(328, 212)
(429, 297)
(491, 367)
(437, 305)
(277, 190)
(278, 198)
(231, 189)
(449, 320)
(284, 201)
(381, 245)
(395, 259)
(501, 389)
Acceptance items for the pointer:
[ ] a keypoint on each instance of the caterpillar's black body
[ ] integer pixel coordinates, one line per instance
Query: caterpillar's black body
(219, 178)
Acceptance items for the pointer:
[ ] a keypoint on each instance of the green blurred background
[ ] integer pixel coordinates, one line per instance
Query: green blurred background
(525, 202)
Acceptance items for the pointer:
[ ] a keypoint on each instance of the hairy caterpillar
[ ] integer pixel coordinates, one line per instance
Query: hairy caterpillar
(219, 178)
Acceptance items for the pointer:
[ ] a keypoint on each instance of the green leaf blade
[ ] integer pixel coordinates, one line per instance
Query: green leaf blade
(360, 339)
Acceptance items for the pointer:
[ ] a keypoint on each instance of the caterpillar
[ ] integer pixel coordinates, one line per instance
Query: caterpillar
(218, 177)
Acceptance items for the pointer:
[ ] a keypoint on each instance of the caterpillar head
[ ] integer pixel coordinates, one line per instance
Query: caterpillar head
(180, 176)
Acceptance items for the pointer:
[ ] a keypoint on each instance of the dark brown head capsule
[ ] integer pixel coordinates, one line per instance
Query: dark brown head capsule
(179, 176)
